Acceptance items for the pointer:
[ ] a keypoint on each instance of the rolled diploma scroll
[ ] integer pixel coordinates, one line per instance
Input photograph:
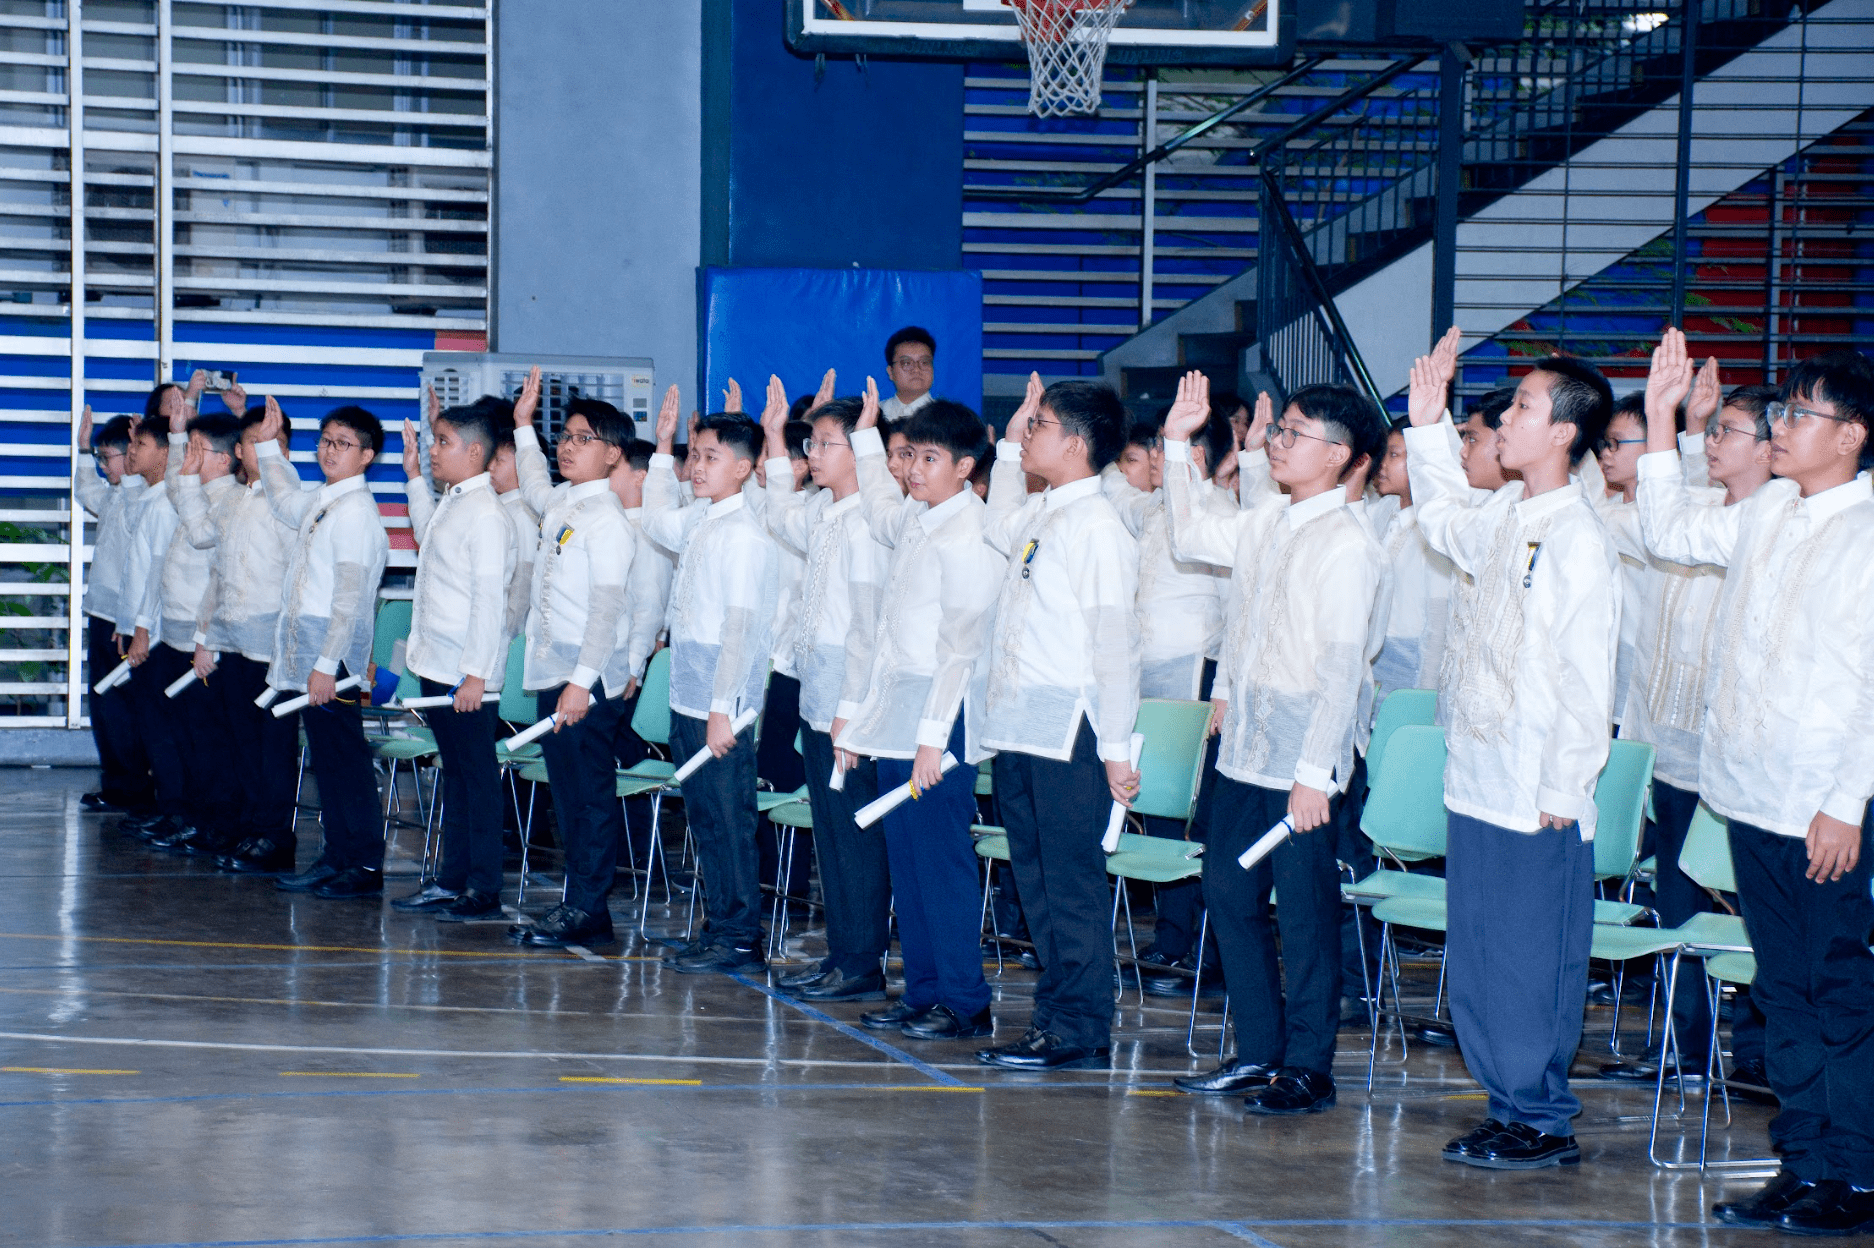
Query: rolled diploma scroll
(180, 683)
(837, 781)
(116, 676)
(872, 812)
(266, 697)
(441, 699)
(1266, 846)
(1116, 822)
(283, 709)
(695, 762)
(540, 729)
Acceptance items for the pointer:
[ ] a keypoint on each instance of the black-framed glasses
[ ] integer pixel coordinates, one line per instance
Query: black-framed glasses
(1791, 416)
(579, 440)
(911, 364)
(338, 444)
(1614, 444)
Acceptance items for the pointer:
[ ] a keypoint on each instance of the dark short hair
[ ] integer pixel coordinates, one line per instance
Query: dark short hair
(1398, 425)
(153, 427)
(846, 411)
(795, 434)
(952, 426)
(1756, 400)
(1844, 378)
(609, 425)
(153, 401)
(735, 430)
(498, 409)
(1216, 437)
(1143, 433)
(910, 333)
(1633, 405)
(475, 424)
(255, 415)
(368, 427)
(1227, 401)
(504, 438)
(114, 432)
(221, 430)
(1349, 417)
(1578, 396)
(638, 454)
(1092, 412)
(1492, 404)
(798, 409)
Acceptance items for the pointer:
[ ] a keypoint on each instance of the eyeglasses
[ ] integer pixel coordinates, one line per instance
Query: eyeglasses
(1716, 431)
(814, 444)
(911, 364)
(580, 440)
(1790, 416)
(1036, 423)
(1614, 444)
(338, 444)
(1287, 436)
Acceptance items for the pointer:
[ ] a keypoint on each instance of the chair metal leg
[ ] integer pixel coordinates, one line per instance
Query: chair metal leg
(1223, 1032)
(653, 854)
(527, 839)
(1197, 981)
(1132, 942)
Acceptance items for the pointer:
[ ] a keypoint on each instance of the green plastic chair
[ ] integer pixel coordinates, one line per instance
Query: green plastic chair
(1620, 800)
(1404, 815)
(391, 627)
(1401, 707)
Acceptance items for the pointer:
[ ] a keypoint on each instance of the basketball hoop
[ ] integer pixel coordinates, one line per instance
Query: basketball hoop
(1066, 41)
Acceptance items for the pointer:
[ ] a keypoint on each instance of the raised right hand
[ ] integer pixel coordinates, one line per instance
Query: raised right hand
(1190, 409)
(1667, 383)
(529, 398)
(272, 424)
(868, 406)
(84, 429)
(668, 413)
(412, 458)
(1430, 391)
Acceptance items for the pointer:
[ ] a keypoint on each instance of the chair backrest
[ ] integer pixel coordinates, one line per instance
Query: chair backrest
(651, 719)
(1405, 807)
(1401, 707)
(1620, 808)
(1173, 760)
(517, 705)
(393, 626)
(1706, 855)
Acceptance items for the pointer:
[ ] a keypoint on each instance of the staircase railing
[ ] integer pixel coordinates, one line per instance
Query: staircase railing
(1301, 333)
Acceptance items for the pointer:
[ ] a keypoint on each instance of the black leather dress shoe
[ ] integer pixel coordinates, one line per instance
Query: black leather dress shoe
(1750, 1081)
(1228, 1079)
(318, 873)
(1029, 960)
(891, 1018)
(1294, 1090)
(563, 926)
(801, 978)
(176, 834)
(432, 896)
(1473, 1140)
(940, 1022)
(468, 907)
(839, 986)
(1172, 984)
(1645, 1072)
(97, 802)
(1520, 1146)
(1440, 1034)
(722, 958)
(257, 855)
(150, 828)
(1047, 1051)
(351, 882)
(1830, 1208)
(207, 844)
(1768, 1204)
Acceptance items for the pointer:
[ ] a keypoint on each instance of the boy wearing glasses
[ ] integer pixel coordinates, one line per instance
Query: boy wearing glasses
(156, 456)
(323, 634)
(1063, 695)
(123, 764)
(1526, 737)
(1305, 585)
(913, 692)
(841, 590)
(1788, 758)
(577, 664)
(911, 363)
(722, 609)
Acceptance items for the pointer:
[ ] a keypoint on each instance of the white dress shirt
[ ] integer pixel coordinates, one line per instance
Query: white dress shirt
(241, 606)
(1306, 578)
(1180, 602)
(1067, 626)
(111, 551)
(189, 564)
(1527, 730)
(843, 582)
(922, 658)
(465, 564)
(1790, 693)
(333, 567)
(1414, 649)
(895, 410)
(151, 519)
(578, 627)
(647, 596)
(525, 522)
(790, 570)
(722, 604)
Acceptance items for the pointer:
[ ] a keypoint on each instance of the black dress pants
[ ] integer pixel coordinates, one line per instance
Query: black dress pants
(584, 781)
(1055, 813)
(164, 731)
(1815, 986)
(719, 801)
(215, 789)
(348, 797)
(855, 882)
(1299, 1029)
(471, 787)
(264, 753)
(123, 763)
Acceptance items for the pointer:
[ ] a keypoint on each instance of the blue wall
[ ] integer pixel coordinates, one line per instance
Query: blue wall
(825, 165)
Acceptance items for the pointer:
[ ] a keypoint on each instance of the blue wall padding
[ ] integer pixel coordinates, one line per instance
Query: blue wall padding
(798, 323)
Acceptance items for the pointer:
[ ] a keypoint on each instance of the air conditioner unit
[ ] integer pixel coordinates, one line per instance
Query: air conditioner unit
(464, 376)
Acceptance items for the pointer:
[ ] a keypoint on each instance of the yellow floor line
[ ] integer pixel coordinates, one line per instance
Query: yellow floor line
(1150, 1092)
(229, 944)
(345, 1074)
(62, 1070)
(925, 1087)
(679, 1083)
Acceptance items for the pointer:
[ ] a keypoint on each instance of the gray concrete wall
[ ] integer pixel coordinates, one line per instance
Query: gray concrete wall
(597, 197)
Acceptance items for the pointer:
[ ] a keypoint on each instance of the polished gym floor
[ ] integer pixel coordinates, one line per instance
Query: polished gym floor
(192, 1058)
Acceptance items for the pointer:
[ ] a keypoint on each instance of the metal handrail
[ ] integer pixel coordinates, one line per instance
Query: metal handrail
(1298, 255)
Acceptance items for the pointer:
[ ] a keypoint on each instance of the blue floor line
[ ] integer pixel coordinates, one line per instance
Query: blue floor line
(872, 1042)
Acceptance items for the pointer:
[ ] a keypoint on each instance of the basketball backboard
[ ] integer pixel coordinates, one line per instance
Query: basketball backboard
(1152, 32)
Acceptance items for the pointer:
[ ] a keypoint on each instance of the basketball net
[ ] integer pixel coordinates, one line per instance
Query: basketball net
(1066, 41)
